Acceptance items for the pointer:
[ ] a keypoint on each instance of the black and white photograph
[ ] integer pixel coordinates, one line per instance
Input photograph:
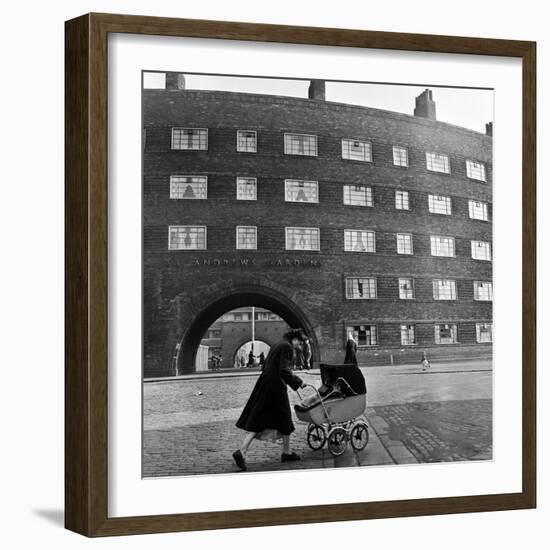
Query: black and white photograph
(317, 276)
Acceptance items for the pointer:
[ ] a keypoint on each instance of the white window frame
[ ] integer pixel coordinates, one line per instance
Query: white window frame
(402, 201)
(433, 159)
(371, 284)
(240, 179)
(352, 329)
(475, 206)
(368, 232)
(487, 247)
(255, 247)
(489, 291)
(451, 283)
(478, 333)
(440, 204)
(476, 170)
(172, 183)
(366, 149)
(411, 280)
(205, 148)
(454, 331)
(289, 182)
(438, 244)
(170, 227)
(246, 150)
(405, 329)
(317, 229)
(347, 190)
(287, 144)
(409, 240)
(397, 150)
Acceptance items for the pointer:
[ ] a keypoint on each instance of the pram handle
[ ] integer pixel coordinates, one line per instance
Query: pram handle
(340, 379)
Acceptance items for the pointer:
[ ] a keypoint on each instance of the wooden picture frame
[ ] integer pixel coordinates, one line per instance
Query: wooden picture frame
(86, 359)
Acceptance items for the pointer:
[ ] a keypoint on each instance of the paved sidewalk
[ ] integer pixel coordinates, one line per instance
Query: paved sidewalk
(448, 367)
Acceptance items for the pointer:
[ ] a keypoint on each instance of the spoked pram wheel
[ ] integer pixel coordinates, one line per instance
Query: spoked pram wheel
(337, 441)
(359, 436)
(316, 436)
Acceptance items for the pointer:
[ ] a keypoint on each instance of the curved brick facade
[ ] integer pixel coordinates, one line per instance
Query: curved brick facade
(308, 287)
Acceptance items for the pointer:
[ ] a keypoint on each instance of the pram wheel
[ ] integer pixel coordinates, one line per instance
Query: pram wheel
(316, 436)
(337, 441)
(359, 436)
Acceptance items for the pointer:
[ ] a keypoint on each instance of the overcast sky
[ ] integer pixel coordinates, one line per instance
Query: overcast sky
(461, 106)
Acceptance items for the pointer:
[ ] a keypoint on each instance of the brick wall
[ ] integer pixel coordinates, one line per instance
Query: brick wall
(179, 285)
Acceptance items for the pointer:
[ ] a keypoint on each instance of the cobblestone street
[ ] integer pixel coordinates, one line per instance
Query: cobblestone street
(441, 415)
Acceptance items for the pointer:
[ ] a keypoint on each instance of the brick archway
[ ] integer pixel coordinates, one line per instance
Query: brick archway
(233, 298)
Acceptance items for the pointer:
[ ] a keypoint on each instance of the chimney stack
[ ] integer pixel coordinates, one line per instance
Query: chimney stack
(316, 89)
(425, 105)
(489, 129)
(175, 81)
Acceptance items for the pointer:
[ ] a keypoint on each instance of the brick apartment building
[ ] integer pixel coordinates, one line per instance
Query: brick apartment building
(338, 218)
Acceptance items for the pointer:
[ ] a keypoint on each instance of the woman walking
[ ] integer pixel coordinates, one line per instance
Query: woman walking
(267, 415)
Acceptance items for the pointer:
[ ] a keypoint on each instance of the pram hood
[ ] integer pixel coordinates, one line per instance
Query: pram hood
(349, 372)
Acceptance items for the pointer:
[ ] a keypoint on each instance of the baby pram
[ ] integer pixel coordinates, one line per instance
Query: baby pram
(335, 412)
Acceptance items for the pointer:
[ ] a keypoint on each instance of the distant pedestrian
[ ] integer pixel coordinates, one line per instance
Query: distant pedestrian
(351, 350)
(424, 361)
(242, 360)
(307, 354)
(298, 358)
(250, 359)
(261, 358)
(267, 415)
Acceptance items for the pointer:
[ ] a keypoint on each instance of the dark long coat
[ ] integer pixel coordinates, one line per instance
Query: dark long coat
(351, 352)
(268, 406)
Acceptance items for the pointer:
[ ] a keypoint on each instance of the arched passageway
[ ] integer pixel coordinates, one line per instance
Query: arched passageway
(237, 298)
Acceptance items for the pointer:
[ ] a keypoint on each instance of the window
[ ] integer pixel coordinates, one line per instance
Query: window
(406, 289)
(481, 250)
(478, 210)
(442, 246)
(444, 289)
(358, 288)
(214, 333)
(359, 241)
(246, 237)
(402, 200)
(475, 170)
(302, 238)
(407, 335)
(301, 191)
(356, 150)
(364, 335)
(446, 334)
(242, 317)
(190, 138)
(437, 163)
(404, 243)
(300, 144)
(400, 156)
(484, 332)
(357, 195)
(483, 291)
(187, 237)
(246, 141)
(188, 187)
(246, 189)
(438, 204)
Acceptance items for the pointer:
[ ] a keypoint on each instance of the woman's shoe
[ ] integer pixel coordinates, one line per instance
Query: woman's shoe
(239, 460)
(292, 457)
